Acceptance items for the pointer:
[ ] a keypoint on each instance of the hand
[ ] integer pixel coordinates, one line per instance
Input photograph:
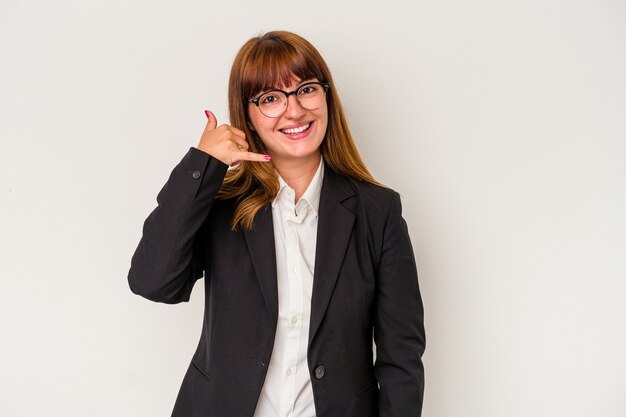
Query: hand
(227, 143)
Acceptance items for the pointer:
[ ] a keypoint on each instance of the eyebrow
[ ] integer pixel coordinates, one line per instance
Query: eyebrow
(300, 84)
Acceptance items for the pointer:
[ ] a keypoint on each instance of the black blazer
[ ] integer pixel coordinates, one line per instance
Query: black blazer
(364, 284)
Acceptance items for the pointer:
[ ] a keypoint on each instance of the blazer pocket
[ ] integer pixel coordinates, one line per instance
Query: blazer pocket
(200, 371)
(367, 389)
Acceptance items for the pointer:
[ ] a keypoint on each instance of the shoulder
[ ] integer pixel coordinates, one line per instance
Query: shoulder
(377, 200)
(374, 193)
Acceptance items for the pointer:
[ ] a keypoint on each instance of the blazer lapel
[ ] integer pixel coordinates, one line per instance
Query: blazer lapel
(334, 228)
(260, 242)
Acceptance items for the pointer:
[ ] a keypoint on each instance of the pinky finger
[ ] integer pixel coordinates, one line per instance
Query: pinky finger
(251, 156)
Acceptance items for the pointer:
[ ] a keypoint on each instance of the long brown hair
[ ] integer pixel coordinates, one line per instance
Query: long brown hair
(266, 62)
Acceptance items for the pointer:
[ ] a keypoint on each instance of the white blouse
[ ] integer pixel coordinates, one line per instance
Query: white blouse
(287, 391)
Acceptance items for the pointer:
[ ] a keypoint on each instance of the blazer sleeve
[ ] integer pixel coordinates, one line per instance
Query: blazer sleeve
(167, 261)
(398, 322)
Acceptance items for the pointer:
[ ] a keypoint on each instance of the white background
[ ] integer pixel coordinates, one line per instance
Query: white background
(502, 125)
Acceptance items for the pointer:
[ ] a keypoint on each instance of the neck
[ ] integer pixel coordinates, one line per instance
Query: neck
(298, 173)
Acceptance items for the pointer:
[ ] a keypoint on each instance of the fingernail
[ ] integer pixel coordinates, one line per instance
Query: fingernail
(267, 157)
(207, 114)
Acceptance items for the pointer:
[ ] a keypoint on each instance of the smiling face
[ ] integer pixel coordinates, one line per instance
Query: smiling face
(284, 137)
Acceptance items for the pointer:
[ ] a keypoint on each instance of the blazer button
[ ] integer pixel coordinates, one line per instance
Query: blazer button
(196, 174)
(319, 372)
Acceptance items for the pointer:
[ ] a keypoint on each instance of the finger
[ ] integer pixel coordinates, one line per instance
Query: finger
(211, 120)
(241, 144)
(251, 156)
(237, 132)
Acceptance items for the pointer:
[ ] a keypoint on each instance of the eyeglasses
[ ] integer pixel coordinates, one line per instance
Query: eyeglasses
(273, 103)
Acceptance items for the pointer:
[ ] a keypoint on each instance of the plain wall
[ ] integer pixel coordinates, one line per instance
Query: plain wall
(500, 123)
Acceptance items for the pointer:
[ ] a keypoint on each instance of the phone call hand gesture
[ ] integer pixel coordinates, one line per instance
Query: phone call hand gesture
(227, 143)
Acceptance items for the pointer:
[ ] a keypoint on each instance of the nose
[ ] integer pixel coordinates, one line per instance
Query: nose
(294, 110)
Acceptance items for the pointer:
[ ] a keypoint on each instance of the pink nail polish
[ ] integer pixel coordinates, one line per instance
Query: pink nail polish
(267, 157)
(207, 114)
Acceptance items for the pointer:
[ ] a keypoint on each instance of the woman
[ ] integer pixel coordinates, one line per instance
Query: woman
(305, 256)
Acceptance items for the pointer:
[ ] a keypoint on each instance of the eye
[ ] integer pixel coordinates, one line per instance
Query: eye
(307, 89)
(270, 98)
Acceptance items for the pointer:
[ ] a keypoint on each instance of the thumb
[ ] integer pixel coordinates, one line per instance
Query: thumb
(212, 121)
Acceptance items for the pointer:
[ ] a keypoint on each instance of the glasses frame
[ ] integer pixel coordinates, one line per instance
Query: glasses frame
(256, 99)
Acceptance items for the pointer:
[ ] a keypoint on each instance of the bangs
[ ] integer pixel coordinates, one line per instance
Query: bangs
(276, 64)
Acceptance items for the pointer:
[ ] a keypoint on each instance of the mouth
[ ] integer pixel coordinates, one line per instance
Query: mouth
(298, 132)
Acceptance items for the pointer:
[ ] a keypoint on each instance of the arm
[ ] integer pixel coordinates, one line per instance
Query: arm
(167, 262)
(398, 322)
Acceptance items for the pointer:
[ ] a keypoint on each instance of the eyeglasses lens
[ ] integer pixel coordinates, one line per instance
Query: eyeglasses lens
(274, 103)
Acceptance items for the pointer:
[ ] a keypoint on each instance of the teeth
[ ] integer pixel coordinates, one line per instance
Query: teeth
(297, 130)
